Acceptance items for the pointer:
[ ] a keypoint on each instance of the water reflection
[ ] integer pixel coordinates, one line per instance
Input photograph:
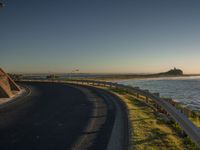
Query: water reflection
(183, 89)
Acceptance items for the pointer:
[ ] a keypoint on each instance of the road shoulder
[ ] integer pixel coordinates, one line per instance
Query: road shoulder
(119, 133)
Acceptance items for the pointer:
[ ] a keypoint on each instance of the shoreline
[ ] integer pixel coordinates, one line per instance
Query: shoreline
(154, 99)
(164, 93)
(150, 78)
(192, 113)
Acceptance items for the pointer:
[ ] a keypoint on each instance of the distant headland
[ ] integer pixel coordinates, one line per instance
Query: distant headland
(172, 72)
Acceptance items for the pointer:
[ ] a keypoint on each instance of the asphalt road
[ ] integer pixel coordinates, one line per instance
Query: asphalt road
(54, 117)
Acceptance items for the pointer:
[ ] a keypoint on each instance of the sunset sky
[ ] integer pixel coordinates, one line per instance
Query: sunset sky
(100, 36)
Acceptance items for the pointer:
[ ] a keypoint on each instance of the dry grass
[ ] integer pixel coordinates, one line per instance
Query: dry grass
(149, 131)
(196, 121)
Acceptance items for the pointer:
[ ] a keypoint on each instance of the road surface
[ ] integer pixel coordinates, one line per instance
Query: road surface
(56, 116)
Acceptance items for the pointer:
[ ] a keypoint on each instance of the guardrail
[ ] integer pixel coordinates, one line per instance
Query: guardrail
(187, 126)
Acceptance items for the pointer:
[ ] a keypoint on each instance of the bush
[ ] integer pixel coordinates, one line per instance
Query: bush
(188, 142)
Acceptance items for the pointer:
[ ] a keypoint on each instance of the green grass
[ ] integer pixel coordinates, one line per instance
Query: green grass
(152, 131)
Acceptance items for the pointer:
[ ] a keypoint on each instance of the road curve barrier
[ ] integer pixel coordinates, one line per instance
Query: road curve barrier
(160, 103)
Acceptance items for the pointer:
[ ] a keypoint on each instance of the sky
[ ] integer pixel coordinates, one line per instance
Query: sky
(100, 36)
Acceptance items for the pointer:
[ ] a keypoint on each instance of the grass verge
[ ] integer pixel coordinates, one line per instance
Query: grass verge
(196, 121)
(150, 130)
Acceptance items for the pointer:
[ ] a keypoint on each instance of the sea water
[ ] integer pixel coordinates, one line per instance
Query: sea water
(182, 89)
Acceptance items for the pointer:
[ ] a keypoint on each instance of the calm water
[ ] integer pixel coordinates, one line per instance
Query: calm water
(183, 89)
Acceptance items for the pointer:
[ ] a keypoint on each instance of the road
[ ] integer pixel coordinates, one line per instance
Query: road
(187, 126)
(56, 116)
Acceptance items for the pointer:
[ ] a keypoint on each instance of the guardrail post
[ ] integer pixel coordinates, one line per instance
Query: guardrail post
(144, 95)
(138, 95)
(147, 99)
(136, 87)
(158, 108)
(110, 84)
(156, 94)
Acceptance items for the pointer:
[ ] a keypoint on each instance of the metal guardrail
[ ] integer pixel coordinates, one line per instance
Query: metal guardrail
(187, 126)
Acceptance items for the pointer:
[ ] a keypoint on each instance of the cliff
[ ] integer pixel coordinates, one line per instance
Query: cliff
(7, 85)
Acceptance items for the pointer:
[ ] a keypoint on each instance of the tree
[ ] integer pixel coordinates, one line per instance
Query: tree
(2, 4)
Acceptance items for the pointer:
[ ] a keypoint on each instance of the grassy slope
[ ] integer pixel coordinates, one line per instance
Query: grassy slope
(196, 121)
(148, 130)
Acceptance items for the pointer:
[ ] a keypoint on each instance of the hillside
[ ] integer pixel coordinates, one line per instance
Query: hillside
(172, 72)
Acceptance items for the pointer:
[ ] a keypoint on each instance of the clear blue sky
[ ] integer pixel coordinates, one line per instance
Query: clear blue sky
(100, 36)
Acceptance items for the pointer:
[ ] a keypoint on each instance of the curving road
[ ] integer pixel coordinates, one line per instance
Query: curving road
(53, 116)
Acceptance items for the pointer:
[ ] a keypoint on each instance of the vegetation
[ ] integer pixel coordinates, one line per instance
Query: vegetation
(174, 72)
(1, 4)
(52, 76)
(151, 130)
(16, 76)
(196, 121)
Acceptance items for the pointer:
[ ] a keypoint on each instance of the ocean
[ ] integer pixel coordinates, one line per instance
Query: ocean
(183, 89)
